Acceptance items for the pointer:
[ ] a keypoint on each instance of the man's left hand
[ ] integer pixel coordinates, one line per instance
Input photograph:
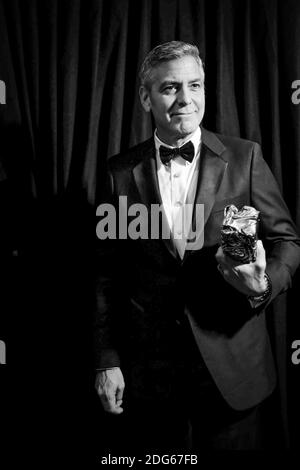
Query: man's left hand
(246, 278)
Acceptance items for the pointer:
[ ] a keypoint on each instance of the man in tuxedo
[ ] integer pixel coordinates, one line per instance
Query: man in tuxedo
(180, 329)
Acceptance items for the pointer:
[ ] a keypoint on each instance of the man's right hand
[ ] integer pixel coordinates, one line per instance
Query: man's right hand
(110, 387)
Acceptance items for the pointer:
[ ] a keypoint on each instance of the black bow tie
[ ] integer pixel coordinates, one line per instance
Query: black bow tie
(186, 151)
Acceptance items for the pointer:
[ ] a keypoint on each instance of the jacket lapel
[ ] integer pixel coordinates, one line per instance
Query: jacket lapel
(211, 173)
(145, 175)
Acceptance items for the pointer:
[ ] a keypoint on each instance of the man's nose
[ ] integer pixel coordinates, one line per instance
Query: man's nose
(184, 96)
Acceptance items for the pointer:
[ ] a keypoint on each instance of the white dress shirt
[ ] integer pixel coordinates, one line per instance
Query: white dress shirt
(177, 185)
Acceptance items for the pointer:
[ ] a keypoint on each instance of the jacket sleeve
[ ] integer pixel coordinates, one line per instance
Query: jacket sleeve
(276, 228)
(108, 287)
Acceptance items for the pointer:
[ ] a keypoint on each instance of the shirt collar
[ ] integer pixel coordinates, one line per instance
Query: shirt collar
(195, 139)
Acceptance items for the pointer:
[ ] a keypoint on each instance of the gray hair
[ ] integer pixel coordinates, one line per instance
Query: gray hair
(163, 53)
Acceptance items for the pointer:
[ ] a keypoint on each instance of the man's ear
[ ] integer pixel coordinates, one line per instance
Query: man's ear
(145, 98)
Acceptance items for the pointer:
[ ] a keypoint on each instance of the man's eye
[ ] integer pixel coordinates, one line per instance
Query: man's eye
(196, 86)
(169, 88)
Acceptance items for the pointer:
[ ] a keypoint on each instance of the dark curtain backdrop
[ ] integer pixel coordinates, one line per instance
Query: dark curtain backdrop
(70, 69)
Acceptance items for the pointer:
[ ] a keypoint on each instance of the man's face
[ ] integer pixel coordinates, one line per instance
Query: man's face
(176, 98)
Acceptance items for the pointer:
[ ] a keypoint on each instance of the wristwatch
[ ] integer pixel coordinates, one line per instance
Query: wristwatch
(258, 299)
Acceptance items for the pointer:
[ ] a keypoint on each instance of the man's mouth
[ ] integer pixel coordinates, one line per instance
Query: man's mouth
(181, 114)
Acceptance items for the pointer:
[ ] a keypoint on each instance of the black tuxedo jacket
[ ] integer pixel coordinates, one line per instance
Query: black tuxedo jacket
(144, 290)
